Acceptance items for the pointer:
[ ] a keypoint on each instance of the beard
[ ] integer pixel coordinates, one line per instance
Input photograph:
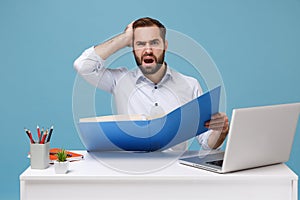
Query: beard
(147, 70)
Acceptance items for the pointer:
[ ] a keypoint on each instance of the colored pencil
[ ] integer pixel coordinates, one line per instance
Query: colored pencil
(39, 133)
(50, 133)
(44, 137)
(29, 135)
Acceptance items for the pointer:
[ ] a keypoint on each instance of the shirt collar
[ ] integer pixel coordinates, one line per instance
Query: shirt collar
(139, 76)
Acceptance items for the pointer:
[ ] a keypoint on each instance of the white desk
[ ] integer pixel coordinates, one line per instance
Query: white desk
(91, 179)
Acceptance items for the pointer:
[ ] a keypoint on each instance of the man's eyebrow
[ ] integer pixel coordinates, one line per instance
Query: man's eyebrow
(140, 42)
(154, 40)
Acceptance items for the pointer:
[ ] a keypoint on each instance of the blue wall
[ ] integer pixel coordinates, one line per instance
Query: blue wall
(255, 45)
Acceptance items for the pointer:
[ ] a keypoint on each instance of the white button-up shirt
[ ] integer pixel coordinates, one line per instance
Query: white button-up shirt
(135, 94)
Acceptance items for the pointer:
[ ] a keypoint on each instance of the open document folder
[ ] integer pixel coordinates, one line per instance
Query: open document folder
(140, 133)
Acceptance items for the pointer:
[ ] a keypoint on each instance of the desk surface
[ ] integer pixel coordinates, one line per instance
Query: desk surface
(122, 165)
(135, 176)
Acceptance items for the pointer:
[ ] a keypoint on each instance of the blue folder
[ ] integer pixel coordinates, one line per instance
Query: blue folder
(156, 134)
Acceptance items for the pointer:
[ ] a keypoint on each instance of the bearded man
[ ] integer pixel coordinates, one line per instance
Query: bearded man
(151, 89)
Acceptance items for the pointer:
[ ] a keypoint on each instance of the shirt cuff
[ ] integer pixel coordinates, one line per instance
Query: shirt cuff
(203, 141)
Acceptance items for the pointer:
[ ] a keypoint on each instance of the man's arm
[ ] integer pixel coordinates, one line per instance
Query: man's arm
(90, 64)
(116, 43)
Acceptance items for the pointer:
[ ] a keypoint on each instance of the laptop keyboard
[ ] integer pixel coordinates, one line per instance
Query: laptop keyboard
(216, 162)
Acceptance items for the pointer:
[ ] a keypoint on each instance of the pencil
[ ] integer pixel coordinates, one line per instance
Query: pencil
(50, 133)
(29, 135)
(39, 133)
(42, 132)
(44, 137)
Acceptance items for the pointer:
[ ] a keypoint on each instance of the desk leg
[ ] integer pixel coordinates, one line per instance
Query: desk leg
(294, 189)
(22, 190)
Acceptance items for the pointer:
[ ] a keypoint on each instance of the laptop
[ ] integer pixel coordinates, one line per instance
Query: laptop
(258, 136)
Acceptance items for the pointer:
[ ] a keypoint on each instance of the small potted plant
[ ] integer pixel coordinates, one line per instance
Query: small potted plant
(61, 165)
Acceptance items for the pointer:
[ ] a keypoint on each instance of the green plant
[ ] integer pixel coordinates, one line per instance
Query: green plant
(61, 155)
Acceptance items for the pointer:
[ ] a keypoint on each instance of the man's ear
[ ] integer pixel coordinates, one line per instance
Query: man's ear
(166, 45)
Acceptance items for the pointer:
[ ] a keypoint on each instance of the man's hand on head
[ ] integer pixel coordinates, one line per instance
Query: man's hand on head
(128, 32)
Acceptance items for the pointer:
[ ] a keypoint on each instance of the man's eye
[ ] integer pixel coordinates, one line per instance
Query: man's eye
(140, 44)
(155, 42)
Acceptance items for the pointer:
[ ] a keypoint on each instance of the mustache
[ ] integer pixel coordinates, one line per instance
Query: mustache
(148, 54)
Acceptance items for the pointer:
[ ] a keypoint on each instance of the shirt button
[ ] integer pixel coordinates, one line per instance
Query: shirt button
(156, 104)
(155, 87)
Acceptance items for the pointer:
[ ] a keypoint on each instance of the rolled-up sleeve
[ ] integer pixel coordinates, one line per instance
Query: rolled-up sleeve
(92, 68)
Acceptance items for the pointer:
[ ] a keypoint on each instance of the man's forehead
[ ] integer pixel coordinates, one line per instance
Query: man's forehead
(147, 33)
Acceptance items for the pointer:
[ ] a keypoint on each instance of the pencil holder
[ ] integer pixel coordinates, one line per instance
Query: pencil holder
(39, 155)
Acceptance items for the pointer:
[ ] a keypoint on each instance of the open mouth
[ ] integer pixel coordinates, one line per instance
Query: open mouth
(148, 60)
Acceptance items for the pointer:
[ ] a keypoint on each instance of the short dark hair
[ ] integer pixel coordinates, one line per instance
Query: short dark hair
(148, 22)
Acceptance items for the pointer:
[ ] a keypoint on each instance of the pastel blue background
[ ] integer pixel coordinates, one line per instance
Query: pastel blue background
(255, 45)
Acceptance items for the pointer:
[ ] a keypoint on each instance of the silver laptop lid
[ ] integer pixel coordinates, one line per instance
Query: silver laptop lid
(260, 136)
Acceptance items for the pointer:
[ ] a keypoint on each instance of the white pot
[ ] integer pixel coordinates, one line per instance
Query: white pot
(61, 167)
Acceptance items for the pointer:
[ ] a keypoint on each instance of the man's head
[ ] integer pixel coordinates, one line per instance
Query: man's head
(149, 44)
(149, 22)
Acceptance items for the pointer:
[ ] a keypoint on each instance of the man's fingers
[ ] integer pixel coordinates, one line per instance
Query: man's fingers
(129, 26)
(218, 115)
(217, 121)
(218, 126)
(220, 123)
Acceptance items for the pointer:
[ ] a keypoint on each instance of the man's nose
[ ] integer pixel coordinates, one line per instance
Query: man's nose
(148, 48)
